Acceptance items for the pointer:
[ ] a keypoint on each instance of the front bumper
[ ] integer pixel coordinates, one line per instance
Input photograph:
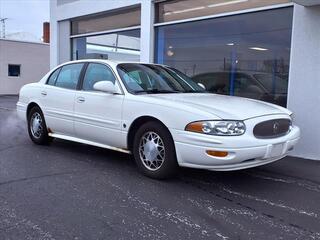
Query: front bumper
(244, 151)
(21, 110)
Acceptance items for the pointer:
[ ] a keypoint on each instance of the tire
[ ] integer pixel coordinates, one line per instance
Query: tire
(154, 151)
(37, 127)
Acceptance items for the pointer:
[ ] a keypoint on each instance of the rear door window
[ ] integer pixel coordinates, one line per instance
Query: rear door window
(69, 76)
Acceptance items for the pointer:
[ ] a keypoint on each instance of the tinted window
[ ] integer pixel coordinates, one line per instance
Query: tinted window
(245, 55)
(173, 10)
(53, 77)
(96, 73)
(107, 21)
(13, 70)
(69, 76)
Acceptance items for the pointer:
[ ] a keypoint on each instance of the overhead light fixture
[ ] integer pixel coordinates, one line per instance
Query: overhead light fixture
(170, 53)
(259, 49)
(189, 9)
(230, 44)
(226, 3)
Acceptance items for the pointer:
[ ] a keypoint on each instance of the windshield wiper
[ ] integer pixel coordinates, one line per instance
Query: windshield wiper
(156, 91)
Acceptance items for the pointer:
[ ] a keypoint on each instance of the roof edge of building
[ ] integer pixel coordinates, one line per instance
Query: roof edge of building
(23, 41)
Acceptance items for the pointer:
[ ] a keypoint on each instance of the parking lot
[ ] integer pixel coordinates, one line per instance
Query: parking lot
(73, 191)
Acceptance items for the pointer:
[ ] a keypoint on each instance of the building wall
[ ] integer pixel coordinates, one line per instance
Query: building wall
(34, 61)
(304, 79)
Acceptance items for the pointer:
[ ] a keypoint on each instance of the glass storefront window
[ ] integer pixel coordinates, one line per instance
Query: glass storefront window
(244, 55)
(123, 45)
(124, 18)
(183, 9)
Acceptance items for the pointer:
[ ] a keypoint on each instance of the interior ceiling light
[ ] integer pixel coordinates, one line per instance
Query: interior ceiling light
(170, 53)
(230, 44)
(259, 49)
(203, 7)
(226, 3)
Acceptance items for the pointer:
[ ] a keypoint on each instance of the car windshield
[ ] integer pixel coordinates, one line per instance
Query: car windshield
(273, 84)
(149, 78)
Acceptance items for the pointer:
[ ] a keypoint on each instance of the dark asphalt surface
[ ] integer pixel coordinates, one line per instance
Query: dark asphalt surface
(73, 191)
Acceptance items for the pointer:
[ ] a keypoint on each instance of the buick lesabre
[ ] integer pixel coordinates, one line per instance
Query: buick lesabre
(157, 114)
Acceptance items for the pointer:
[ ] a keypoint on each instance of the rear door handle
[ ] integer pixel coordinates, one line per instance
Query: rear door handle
(81, 99)
(44, 93)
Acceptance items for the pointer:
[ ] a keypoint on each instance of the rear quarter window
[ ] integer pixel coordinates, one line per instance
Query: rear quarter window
(53, 77)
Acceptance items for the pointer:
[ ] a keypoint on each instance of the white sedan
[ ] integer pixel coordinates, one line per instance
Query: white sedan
(156, 113)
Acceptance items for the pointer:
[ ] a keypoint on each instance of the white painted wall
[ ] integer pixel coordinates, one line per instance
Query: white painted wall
(64, 51)
(54, 36)
(304, 79)
(34, 61)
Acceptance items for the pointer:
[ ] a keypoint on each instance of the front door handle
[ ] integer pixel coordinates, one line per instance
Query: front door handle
(81, 99)
(44, 93)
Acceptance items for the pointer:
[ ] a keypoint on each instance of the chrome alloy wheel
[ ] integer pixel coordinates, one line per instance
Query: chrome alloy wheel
(36, 125)
(151, 151)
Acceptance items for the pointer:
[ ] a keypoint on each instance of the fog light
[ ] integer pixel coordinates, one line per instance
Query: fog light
(217, 153)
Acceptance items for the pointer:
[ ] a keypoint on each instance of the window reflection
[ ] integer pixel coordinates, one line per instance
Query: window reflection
(107, 21)
(244, 55)
(173, 10)
(116, 46)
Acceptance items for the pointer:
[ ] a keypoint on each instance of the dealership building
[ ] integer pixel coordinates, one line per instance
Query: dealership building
(262, 49)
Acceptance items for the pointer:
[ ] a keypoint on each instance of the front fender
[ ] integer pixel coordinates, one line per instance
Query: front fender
(173, 116)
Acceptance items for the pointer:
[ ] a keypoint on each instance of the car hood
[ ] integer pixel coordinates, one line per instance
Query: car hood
(224, 107)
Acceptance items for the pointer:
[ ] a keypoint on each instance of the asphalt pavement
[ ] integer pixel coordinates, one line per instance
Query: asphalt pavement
(74, 191)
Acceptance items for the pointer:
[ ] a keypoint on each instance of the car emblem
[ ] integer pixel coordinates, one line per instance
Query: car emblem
(275, 127)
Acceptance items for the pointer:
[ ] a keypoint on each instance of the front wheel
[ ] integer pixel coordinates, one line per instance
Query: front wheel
(154, 151)
(37, 128)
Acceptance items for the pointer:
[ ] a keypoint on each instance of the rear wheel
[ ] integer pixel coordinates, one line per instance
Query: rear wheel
(154, 151)
(37, 127)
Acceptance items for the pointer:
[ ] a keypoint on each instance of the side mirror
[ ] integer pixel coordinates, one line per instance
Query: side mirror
(201, 85)
(105, 86)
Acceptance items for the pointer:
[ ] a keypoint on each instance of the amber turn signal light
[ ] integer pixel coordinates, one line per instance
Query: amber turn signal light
(217, 153)
(195, 127)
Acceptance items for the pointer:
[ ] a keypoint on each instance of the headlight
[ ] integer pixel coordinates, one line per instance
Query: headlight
(220, 128)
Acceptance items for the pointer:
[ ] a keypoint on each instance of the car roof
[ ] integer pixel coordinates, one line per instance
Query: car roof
(113, 63)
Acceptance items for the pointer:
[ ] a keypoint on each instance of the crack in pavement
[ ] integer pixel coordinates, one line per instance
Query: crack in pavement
(37, 177)
(172, 216)
(315, 235)
(306, 184)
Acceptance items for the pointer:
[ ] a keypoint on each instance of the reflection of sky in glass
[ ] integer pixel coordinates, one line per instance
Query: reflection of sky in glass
(94, 48)
(115, 46)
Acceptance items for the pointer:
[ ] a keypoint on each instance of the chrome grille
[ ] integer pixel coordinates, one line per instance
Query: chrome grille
(272, 128)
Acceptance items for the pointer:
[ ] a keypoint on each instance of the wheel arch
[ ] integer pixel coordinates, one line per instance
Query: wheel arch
(30, 106)
(137, 123)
